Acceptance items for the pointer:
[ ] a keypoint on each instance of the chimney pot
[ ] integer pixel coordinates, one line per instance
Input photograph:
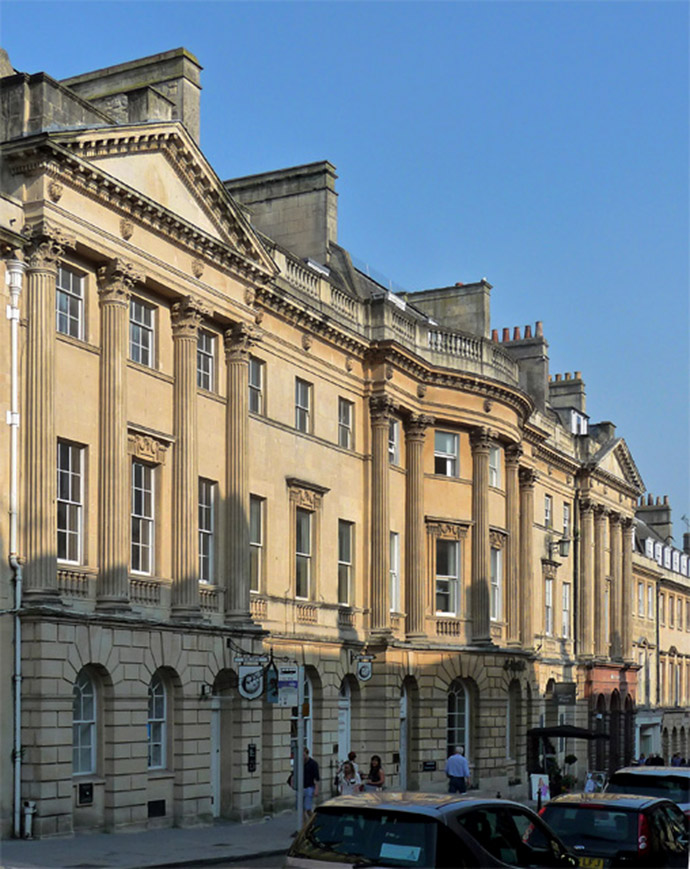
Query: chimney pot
(567, 376)
(539, 329)
(459, 284)
(516, 334)
(650, 501)
(506, 333)
(578, 375)
(558, 377)
(666, 500)
(494, 335)
(658, 501)
(528, 331)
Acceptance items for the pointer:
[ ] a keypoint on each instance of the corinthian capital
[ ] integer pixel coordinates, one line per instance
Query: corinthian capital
(417, 425)
(239, 341)
(115, 281)
(187, 315)
(528, 477)
(48, 243)
(480, 439)
(381, 408)
(513, 454)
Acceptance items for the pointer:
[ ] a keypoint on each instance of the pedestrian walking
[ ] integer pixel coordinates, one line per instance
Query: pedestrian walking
(376, 776)
(458, 771)
(311, 784)
(349, 780)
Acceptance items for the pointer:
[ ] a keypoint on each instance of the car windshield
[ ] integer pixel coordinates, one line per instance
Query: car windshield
(593, 828)
(367, 837)
(672, 787)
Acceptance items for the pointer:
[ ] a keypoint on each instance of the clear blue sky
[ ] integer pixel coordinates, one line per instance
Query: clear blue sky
(542, 145)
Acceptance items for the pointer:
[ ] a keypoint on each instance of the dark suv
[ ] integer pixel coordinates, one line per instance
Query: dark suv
(428, 831)
(666, 782)
(617, 830)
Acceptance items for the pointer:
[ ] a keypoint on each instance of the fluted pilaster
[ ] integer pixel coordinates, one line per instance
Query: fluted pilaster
(586, 598)
(186, 318)
(615, 530)
(115, 282)
(602, 618)
(380, 410)
(415, 578)
(512, 550)
(238, 343)
(480, 440)
(40, 575)
(627, 589)
(528, 478)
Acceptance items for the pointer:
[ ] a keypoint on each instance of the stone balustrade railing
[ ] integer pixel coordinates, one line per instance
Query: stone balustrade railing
(146, 592)
(77, 582)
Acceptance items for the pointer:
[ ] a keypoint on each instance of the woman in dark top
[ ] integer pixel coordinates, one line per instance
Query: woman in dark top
(376, 777)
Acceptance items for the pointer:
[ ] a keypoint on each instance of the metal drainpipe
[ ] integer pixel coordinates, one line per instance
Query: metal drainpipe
(14, 276)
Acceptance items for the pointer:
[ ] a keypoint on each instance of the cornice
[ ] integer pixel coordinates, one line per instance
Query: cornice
(555, 457)
(65, 162)
(609, 479)
(465, 381)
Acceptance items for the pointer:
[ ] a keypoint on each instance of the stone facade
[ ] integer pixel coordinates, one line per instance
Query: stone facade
(232, 442)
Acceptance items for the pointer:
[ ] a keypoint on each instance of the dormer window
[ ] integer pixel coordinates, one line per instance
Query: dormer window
(578, 423)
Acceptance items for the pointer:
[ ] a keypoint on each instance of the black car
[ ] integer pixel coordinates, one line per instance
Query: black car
(426, 830)
(618, 830)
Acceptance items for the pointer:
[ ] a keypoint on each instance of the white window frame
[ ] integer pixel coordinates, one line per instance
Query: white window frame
(207, 527)
(458, 719)
(345, 423)
(548, 607)
(394, 441)
(446, 461)
(69, 288)
(157, 723)
(256, 542)
(495, 466)
(662, 609)
(679, 613)
(448, 584)
(206, 360)
(142, 332)
(566, 604)
(566, 519)
(144, 519)
(548, 511)
(578, 423)
(496, 600)
(303, 405)
(70, 502)
(345, 543)
(304, 555)
(394, 571)
(671, 611)
(84, 720)
(650, 601)
(256, 385)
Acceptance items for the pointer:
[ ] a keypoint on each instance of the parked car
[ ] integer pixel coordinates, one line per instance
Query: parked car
(426, 830)
(668, 782)
(617, 830)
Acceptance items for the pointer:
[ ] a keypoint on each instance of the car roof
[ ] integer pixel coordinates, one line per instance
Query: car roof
(609, 801)
(683, 771)
(433, 805)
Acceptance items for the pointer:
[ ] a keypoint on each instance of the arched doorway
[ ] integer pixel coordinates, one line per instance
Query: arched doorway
(629, 732)
(225, 743)
(615, 732)
(599, 725)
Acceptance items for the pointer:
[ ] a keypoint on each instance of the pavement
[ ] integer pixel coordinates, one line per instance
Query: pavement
(223, 842)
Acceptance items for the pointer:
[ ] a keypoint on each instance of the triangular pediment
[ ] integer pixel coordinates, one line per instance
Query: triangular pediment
(163, 164)
(615, 459)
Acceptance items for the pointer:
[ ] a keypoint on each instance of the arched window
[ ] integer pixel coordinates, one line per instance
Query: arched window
(83, 725)
(458, 718)
(157, 723)
(308, 715)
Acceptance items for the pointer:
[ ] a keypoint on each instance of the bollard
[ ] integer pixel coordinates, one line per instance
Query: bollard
(29, 812)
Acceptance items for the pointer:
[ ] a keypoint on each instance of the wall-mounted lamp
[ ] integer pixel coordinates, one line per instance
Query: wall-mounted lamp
(563, 546)
(205, 691)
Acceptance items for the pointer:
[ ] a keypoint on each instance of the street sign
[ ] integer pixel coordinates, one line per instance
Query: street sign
(288, 685)
(250, 681)
(364, 670)
(564, 693)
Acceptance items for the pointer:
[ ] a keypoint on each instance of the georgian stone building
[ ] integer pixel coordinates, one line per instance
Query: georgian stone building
(226, 439)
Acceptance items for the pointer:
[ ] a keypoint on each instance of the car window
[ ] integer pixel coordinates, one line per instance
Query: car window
(666, 785)
(512, 836)
(593, 827)
(380, 837)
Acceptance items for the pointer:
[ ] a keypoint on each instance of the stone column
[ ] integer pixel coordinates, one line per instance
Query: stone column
(415, 560)
(616, 602)
(480, 440)
(40, 575)
(238, 342)
(627, 590)
(601, 648)
(380, 410)
(527, 478)
(186, 317)
(115, 282)
(512, 548)
(586, 599)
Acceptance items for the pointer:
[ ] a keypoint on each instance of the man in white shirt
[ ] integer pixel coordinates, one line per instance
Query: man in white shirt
(458, 772)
